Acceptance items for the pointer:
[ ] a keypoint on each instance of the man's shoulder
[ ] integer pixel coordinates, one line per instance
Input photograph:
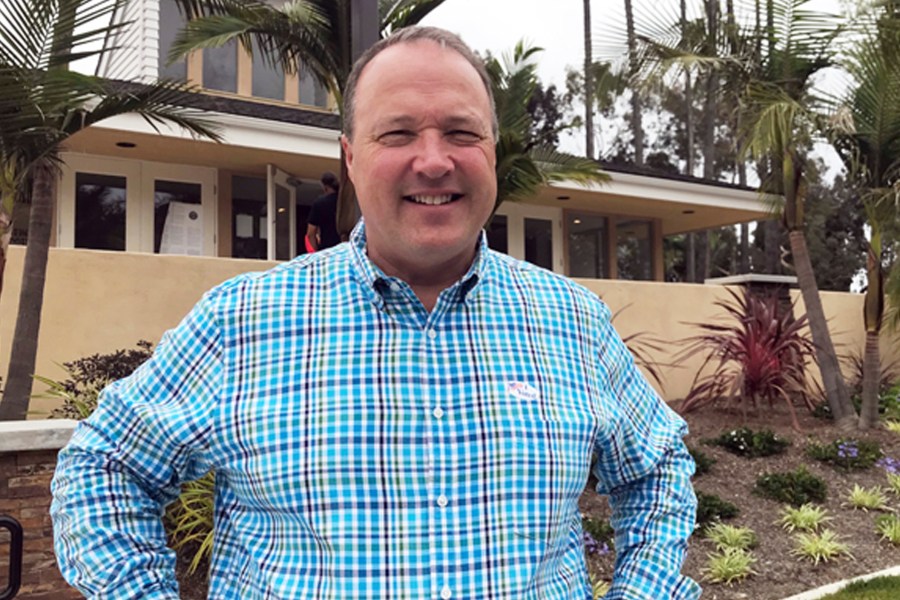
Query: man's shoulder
(542, 284)
(294, 277)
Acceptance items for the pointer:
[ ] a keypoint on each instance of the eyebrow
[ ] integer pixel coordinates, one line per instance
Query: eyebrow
(452, 121)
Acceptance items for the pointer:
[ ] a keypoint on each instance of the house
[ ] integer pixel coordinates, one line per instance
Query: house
(127, 187)
(147, 220)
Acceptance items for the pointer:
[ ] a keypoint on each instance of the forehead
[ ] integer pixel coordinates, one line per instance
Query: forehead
(419, 66)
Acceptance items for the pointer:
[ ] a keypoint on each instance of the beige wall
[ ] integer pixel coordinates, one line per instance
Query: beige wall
(102, 301)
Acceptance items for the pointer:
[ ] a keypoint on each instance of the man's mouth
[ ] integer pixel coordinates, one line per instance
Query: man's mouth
(433, 200)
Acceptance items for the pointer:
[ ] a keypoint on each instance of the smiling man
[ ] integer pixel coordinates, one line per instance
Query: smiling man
(407, 415)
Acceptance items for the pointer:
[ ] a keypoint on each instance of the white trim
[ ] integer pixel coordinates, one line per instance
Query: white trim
(752, 278)
(671, 190)
(836, 587)
(250, 132)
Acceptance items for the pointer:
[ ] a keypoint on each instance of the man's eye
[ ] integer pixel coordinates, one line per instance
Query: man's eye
(399, 136)
(463, 136)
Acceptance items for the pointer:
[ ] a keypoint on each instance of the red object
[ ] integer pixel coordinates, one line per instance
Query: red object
(309, 247)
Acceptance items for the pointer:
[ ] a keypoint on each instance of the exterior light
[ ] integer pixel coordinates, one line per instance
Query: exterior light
(687, 212)
(577, 221)
(126, 144)
(563, 197)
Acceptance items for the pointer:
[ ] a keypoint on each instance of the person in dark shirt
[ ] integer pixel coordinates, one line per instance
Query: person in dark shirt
(321, 228)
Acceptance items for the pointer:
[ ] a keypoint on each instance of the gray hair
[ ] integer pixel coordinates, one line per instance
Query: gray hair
(407, 35)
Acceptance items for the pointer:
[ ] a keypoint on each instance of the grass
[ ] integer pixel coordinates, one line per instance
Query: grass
(867, 498)
(805, 518)
(820, 547)
(728, 536)
(729, 566)
(879, 588)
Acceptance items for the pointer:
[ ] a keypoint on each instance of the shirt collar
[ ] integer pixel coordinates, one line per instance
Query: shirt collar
(374, 279)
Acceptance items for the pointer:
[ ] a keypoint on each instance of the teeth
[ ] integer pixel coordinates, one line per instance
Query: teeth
(433, 200)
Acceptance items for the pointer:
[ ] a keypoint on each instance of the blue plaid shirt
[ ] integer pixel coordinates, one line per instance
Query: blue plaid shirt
(366, 448)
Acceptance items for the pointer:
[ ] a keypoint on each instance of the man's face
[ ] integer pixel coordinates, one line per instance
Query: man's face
(422, 158)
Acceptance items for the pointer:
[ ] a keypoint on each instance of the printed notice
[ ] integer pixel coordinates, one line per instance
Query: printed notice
(183, 231)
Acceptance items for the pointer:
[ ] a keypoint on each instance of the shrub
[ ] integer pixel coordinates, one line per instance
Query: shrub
(599, 529)
(847, 454)
(761, 355)
(793, 487)
(820, 547)
(702, 460)
(751, 444)
(804, 518)
(189, 520)
(88, 376)
(728, 566)
(867, 498)
(728, 536)
(889, 528)
(711, 509)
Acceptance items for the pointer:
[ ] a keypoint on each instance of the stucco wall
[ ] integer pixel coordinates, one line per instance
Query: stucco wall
(103, 301)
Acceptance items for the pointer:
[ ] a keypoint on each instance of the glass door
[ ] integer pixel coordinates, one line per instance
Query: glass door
(281, 201)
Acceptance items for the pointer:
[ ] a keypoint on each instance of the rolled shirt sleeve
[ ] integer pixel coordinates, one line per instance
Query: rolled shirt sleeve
(645, 468)
(127, 461)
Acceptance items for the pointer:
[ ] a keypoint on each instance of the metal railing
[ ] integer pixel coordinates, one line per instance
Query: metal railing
(15, 557)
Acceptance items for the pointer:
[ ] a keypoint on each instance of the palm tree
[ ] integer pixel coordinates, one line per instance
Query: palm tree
(42, 104)
(588, 83)
(781, 121)
(523, 165)
(312, 33)
(779, 118)
(867, 137)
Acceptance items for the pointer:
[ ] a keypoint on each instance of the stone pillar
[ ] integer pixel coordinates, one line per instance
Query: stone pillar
(27, 460)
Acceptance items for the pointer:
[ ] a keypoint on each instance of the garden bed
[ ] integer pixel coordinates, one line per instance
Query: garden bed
(732, 478)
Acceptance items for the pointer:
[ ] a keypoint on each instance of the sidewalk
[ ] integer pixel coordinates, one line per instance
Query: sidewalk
(836, 587)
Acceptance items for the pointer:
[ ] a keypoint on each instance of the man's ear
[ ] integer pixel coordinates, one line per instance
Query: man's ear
(348, 154)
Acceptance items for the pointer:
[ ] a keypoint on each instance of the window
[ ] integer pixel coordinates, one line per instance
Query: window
(588, 245)
(177, 218)
(100, 202)
(498, 234)
(633, 249)
(220, 68)
(312, 92)
(170, 23)
(268, 81)
(539, 242)
(248, 212)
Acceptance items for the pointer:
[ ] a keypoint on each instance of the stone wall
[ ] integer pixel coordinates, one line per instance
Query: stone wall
(27, 460)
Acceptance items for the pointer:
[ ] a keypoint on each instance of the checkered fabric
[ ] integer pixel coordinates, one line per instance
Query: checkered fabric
(366, 448)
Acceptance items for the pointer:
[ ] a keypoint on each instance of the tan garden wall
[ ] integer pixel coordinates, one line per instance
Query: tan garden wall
(102, 301)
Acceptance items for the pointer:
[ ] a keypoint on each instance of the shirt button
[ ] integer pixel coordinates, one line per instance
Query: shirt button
(442, 502)
(438, 413)
(446, 593)
(432, 333)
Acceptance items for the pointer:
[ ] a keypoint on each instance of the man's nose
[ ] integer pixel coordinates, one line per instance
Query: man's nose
(433, 156)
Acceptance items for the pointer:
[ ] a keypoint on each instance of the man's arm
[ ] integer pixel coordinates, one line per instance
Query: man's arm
(312, 234)
(645, 468)
(126, 462)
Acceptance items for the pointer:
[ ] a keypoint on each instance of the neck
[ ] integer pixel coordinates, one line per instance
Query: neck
(426, 280)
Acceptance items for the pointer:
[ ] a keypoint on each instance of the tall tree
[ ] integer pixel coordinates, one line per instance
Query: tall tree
(525, 161)
(781, 122)
(42, 104)
(637, 125)
(588, 83)
(868, 139)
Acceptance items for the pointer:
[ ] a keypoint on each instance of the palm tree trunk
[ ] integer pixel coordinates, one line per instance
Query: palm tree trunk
(23, 354)
(873, 313)
(588, 83)
(637, 127)
(868, 415)
(833, 381)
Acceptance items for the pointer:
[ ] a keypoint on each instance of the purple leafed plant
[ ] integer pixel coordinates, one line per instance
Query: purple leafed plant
(761, 355)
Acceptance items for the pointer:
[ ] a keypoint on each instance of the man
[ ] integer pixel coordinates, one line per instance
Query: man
(321, 230)
(410, 416)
